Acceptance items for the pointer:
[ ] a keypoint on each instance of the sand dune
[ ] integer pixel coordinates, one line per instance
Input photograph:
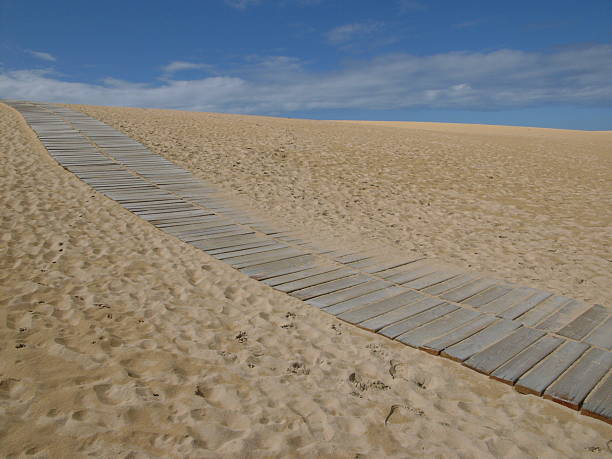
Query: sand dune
(120, 341)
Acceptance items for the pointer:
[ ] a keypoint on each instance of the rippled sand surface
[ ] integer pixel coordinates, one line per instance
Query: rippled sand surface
(117, 340)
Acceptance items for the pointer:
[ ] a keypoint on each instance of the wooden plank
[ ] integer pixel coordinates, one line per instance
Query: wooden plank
(363, 313)
(455, 282)
(563, 316)
(499, 353)
(574, 385)
(328, 287)
(297, 275)
(408, 276)
(365, 263)
(506, 301)
(585, 323)
(438, 327)
(364, 300)
(545, 308)
(404, 312)
(429, 315)
(461, 293)
(351, 258)
(479, 341)
(601, 336)
(218, 235)
(314, 280)
(352, 292)
(227, 241)
(487, 296)
(260, 271)
(543, 374)
(526, 305)
(430, 279)
(391, 265)
(238, 253)
(259, 243)
(516, 367)
(257, 259)
(417, 263)
(437, 345)
(599, 402)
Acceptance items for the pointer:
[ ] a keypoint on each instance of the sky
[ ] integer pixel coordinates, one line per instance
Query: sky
(529, 63)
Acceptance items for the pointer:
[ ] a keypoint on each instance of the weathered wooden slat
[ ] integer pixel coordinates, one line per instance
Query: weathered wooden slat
(506, 301)
(364, 300)
(601, 336)
(346, 294)
(437, 345)
(487, 296)
(314, 280)
(230, 241)
(263, 269)
(403, 312)
(461, 293)
(499, 353)
(363, 313)
(585, 323)
(328, 287)
(545, 308)
(523, 306)
(297, 275)
(219, 235)
(412, 265)
(352, 258)
(238, 253)
(450, 284)
(438, 327)
(257, 259)
(391, 265)
(479, 341)
(260, 243)
(543, 374)
(599, 402)
(429, 315)
(365, 263)
(575, 384)
(563, 316)
(430, 279)
(404, 277)
(516, 367)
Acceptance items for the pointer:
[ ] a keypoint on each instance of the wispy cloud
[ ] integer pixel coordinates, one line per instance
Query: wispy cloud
(241, 4)
(347, 32)
(42, 55)
(578, 76)
(177, 66)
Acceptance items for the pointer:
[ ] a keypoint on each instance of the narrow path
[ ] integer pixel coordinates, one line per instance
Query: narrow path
(543, 344)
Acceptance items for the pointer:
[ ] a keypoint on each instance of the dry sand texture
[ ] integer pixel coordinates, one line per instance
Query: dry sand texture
(531, 206)
(119, 341)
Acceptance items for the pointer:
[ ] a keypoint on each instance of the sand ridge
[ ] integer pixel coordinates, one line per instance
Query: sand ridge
(118, 340)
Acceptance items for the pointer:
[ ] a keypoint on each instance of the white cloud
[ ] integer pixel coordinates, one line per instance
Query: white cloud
(281, 85)
(347, 32)
(177, 66)
(44, 56)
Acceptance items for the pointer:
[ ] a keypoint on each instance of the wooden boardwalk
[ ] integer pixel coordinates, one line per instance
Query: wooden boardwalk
(543, 344)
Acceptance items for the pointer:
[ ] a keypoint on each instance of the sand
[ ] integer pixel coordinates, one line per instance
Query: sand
(120, 341)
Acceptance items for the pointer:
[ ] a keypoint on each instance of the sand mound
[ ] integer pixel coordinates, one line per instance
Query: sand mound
(120, 341)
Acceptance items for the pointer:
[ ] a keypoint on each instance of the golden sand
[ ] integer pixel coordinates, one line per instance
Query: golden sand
(118, 340)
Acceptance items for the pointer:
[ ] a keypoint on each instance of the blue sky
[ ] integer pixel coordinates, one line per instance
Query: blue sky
(538, 63)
